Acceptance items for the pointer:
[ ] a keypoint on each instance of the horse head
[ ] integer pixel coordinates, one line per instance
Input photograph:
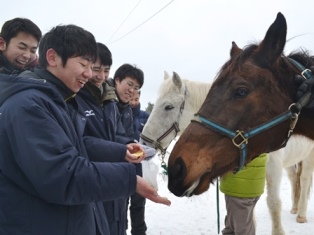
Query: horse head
(247, 112)
(178, 100)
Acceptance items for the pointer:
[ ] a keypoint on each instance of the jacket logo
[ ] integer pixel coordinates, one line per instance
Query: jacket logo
(89, 113)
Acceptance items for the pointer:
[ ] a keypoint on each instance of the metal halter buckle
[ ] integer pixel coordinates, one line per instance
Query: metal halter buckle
(240, 134)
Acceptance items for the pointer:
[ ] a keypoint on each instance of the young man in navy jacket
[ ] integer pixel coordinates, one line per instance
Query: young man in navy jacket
(127, 81)
(19, 39)
(48, 183)
(97, 100)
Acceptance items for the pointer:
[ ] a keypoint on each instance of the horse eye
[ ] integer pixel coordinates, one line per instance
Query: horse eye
(168, 107)
(242, 92)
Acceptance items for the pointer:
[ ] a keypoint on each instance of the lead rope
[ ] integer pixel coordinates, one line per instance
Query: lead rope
(163, 163)
(218, 212)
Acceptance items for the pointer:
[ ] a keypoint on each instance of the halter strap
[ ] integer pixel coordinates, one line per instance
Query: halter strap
(174, 127)
(306, 74)
(244, 136)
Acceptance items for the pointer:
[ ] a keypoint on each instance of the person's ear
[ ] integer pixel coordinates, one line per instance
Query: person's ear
(116, 81)
(52, 57)
(3, 44)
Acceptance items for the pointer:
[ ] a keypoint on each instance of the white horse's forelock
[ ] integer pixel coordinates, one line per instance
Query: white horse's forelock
(197, 91)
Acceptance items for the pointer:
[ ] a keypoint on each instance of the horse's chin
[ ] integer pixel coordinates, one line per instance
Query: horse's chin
(199, 186)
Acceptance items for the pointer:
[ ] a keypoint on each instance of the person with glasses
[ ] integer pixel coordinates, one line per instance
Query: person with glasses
(97, 101)
(128, 80)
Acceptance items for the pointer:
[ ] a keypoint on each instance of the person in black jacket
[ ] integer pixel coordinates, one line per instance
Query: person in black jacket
(97, 100)
(127, 81)
(48, 183)
(19, 40)
(139, 116)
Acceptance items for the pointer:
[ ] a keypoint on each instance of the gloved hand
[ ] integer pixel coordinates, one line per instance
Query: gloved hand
(150, 152)
(305, 85)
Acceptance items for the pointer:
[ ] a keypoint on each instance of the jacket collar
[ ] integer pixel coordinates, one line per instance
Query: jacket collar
(8, 68)
(66, 93)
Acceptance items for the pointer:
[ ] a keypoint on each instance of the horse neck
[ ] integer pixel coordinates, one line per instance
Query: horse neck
(305, 125)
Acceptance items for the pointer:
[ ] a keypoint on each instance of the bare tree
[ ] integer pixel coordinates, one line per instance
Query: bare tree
(150, 107)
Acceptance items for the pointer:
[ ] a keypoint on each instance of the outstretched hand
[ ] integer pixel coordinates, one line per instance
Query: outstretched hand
(147, 191)
(305, 85)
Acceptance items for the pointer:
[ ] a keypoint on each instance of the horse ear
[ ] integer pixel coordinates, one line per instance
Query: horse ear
(166, 75)
(235, 49)
(177, 80)
(272, 46)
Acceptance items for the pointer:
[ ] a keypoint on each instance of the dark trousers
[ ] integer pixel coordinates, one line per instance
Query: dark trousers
(137, 214)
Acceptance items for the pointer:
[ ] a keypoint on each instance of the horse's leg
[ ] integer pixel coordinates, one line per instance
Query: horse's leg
(305, 182)
(295, 187)
(273, 179)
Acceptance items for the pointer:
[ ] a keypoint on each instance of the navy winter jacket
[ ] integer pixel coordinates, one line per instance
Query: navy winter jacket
(139, 119)
(47, 183)
(99, 134)
(7, 68)
(125, 126)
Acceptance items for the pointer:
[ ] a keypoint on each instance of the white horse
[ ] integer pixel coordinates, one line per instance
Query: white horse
(299, 149)
(180, 99)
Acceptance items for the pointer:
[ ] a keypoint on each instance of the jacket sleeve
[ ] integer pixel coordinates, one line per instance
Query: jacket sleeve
(100, 150)
(125, 140)
(38, 154)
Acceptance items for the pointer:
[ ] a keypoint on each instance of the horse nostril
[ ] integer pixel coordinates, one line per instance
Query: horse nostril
(179, 169)
(177, 175)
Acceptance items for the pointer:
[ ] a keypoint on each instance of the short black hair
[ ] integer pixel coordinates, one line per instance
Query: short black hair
(68, 41)
(12, 27)
(128, 70)
(104, 54)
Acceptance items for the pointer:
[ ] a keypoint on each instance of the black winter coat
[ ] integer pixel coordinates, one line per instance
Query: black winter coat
(48, 185)
(139, 120)
(99, 134)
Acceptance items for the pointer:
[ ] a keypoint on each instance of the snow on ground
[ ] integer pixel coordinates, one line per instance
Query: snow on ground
(198, 215)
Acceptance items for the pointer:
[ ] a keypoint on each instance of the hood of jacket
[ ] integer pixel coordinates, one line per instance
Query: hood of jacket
(11, 85)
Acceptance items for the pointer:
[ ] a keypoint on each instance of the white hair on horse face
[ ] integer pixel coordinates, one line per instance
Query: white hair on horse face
(178, 100)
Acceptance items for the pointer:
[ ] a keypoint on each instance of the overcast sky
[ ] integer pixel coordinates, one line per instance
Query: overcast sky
(191, 37)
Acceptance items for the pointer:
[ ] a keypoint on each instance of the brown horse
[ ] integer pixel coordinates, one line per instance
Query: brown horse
(250, 109)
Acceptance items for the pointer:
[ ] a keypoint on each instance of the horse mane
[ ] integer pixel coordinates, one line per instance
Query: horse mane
(301, 55)
(196, 91)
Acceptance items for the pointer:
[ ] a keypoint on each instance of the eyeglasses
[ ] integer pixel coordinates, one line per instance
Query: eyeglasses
(131, 85)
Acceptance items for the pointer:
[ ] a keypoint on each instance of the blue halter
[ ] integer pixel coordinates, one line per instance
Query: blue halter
(244, 136)
(292, 113)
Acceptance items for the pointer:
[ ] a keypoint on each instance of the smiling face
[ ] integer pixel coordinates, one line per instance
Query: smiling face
(74, 74)
(126, 88)
(100, 73)
(134, 102)
(20, 50)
